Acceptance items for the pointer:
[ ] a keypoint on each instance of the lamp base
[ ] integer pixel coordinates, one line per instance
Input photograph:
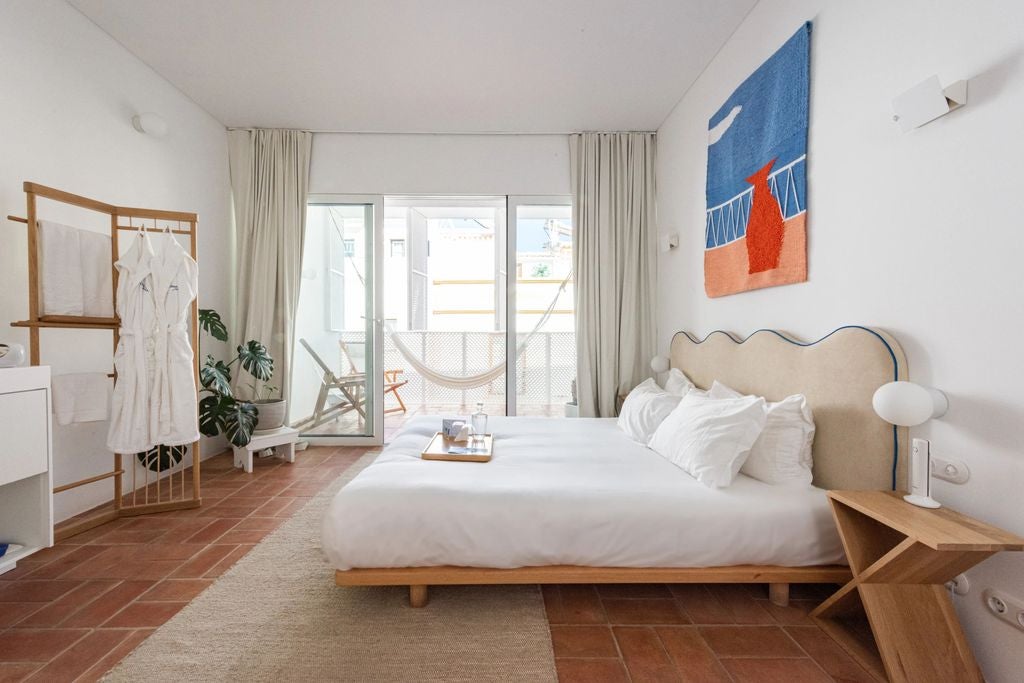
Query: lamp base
(922, 501)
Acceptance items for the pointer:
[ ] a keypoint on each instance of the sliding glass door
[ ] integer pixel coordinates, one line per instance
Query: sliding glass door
(335, 381)
(413, 306)
(541, 306)
(444, 290)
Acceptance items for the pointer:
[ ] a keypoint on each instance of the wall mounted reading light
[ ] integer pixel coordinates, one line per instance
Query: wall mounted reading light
(660, 364)
(926, 102)
(907, 405)
(150, 124)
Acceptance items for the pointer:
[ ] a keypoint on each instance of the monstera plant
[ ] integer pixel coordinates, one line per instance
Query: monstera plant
(220, 411)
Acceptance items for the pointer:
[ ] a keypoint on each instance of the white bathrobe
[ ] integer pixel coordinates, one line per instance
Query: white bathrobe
(154, 399)
(173, 407)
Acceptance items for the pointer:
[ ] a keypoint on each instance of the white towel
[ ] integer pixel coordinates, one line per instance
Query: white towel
(75, 276)
(97, 277)
(60, 270)
(81, 397)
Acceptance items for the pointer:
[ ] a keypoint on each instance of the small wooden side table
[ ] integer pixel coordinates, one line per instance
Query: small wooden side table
(900, 556)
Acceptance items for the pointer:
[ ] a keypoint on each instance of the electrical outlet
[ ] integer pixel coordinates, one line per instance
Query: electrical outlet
(1006, 607)
(952, 471)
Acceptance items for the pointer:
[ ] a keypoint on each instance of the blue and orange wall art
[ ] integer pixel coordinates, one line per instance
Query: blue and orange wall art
(755, 231)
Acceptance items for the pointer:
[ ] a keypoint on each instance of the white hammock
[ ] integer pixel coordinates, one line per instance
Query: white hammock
(479, 379)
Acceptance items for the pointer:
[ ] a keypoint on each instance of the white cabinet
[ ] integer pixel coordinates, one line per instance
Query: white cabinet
(26, 485)
(23, 423)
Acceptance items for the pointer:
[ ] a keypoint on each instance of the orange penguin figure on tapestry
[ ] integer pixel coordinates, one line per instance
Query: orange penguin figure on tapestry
(765, 226)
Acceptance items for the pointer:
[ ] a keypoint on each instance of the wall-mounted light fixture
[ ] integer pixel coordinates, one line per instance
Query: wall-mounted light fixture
(907, 405)
(926, 102)
(668, 242)
(150, 124)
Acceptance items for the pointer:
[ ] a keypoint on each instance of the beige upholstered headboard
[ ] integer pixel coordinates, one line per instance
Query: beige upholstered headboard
(839, 373)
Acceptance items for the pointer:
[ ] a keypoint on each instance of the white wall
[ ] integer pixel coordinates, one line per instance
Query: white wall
(69, 94)
(440, 164)
(917, 233)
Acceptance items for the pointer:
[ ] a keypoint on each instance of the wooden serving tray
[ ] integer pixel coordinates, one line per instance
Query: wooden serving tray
(440, 448)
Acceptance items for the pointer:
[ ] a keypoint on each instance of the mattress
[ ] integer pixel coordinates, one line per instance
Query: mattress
(566, 491)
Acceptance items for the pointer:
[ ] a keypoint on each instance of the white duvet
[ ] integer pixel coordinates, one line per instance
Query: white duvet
(566, 491)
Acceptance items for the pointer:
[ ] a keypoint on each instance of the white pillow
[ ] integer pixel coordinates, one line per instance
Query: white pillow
(677, 383)
(644, 409)
(782, 454)
(708, 438)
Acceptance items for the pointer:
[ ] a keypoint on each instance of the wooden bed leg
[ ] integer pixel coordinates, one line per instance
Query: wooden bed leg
(778, 594)
(418, 596)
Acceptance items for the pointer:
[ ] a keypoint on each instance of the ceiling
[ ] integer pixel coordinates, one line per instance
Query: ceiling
(427, 66)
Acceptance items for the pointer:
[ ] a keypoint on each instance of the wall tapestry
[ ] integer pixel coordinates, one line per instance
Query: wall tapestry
(755, 230)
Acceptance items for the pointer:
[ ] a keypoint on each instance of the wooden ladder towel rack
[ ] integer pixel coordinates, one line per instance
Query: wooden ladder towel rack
(168, 494)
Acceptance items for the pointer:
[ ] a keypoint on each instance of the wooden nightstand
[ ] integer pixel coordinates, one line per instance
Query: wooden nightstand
(901, 556)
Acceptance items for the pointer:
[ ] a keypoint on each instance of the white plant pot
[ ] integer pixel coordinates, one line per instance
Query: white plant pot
(271, 414)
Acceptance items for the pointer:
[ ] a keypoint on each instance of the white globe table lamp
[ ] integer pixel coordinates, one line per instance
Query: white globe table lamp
(906, 404)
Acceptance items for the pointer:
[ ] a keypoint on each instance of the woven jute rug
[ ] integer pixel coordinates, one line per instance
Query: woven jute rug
(277, 616)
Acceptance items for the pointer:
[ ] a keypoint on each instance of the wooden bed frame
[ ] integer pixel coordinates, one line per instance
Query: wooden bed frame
(853, 449)
(420, 578)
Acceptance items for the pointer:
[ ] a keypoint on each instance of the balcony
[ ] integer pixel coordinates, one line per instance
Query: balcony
(441, 271)
(545, 369)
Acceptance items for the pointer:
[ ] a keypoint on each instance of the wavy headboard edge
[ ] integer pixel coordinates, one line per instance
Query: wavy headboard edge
(839, 373)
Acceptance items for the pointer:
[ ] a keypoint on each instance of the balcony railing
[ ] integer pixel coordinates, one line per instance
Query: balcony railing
(544, 370)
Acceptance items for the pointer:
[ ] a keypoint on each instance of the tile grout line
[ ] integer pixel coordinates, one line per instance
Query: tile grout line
(54, 658)
(815, 660)
(718, 660)
(615, 639)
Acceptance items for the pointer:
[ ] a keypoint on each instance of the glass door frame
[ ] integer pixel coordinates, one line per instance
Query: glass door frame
(512, 204)
(375, 367)
(499, 202)
(374, 364)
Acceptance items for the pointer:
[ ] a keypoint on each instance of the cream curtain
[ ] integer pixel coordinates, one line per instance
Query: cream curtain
(269, 182)
(615, 259)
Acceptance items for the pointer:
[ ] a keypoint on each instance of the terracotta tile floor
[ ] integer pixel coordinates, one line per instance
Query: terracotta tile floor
(71, 612)
(658, 632)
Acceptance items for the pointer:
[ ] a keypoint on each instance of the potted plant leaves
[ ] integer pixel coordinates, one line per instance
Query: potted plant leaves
(162, 458)
(220, 411)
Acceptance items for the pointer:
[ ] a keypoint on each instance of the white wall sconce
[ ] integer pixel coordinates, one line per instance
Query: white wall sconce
(660, 364)
(907, 405)
(926, 102)
(668, 242)
(150, 124)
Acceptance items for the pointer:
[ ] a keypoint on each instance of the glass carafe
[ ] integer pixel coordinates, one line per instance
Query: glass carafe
(478, 423)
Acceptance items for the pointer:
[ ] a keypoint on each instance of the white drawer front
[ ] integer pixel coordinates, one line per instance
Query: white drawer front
(23, 438)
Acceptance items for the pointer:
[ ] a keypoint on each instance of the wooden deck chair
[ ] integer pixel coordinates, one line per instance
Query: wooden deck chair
(391, 382)
(350, 388)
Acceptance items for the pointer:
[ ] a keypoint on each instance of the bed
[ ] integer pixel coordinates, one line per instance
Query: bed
(576, 501)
